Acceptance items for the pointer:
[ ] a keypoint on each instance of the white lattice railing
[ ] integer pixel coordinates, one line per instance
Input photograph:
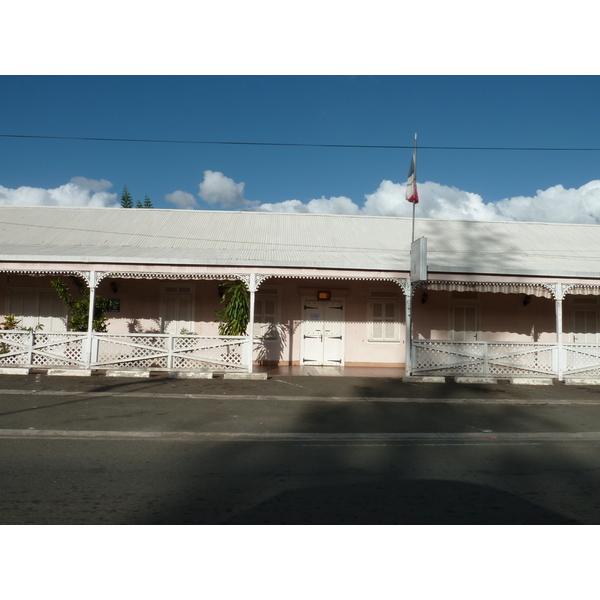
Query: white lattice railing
(172, 352)
(581, 359)
(132, 351)
(26, 349)
(199, 353)
(433, 357)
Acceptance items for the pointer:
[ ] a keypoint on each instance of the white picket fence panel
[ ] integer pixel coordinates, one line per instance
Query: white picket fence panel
(233, 353)
(25, 349)
(170, 352)
(130, 351)
(441, 357)
(581, 359)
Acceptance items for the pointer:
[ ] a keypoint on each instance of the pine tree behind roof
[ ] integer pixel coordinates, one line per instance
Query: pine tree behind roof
(126, 199)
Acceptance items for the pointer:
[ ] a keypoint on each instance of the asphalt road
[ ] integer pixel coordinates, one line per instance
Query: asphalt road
(70, 481)
(94, 451)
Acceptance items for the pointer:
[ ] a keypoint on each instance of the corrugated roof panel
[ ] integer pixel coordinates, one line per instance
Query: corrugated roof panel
(295, 240)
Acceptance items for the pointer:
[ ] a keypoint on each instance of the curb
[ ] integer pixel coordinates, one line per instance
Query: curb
(591, 436)
(275, 398)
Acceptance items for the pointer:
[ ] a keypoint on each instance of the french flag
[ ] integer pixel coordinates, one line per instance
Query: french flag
(411, 185)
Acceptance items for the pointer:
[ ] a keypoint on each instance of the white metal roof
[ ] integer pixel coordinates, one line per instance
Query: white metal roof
(221, 238)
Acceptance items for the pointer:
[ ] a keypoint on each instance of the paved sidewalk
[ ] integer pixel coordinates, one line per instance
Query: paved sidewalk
(38, 406)
(302, 388)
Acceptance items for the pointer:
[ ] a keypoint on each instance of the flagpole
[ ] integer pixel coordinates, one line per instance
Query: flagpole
(414, 203)
(414, 198)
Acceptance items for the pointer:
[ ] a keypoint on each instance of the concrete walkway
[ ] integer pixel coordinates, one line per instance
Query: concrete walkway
(293, 408)
(326, 388)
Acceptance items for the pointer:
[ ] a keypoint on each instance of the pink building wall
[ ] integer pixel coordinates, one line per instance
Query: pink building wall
(502, 317)
(358, 350)
(142, 312)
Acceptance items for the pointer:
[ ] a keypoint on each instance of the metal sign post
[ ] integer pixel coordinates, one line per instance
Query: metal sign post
(418, 260)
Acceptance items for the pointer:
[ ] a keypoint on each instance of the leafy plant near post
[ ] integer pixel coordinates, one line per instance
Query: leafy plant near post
(233, 318)
(10, 322)
(79, 309)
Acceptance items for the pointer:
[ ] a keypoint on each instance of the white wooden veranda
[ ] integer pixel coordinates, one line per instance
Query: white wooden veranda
(141, 351)
(558, 360)
(164, 352)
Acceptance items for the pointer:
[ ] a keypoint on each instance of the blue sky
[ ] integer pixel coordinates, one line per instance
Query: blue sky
(456, 111)
(388, 41)
(266, 72)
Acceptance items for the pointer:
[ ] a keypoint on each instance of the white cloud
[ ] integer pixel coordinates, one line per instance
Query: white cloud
(387, 201)
(182, 199)
(78, 192)
(218, 189)
(556, 205)
(93, 185)
(332, 206)
(287, 206)
(437, 201)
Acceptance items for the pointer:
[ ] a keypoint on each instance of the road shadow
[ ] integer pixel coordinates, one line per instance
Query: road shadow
(405, 502)
(387, 483)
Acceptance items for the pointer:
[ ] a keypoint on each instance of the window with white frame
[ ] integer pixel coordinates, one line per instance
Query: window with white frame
(177, 307)
(464, 316)
(266, 314)
(382, 319)
(584, 319)
(35, 307)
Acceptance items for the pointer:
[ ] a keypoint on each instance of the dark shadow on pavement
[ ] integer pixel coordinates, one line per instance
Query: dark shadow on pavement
(409, 502)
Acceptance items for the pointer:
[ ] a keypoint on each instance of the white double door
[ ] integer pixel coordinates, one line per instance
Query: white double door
(323, 325)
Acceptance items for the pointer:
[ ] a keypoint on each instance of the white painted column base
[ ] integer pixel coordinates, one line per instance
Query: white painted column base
(127, 373)
(244, 376)
(475, 380)
(70, 372)
(581, 381)
(531, 381)
(190, 375)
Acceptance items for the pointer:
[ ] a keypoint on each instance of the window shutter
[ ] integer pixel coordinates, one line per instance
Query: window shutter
(258, 317)
(38, 307)
(390, 318)
(383, 321)
(265, 317)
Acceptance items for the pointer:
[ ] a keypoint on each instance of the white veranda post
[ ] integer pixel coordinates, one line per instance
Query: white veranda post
(408, 333)
(558, 305)
(90, 327)
(252, 290)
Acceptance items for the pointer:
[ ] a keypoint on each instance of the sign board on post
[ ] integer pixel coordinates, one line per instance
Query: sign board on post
(418, 260)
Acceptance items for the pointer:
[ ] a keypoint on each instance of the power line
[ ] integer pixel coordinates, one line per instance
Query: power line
(385, 147)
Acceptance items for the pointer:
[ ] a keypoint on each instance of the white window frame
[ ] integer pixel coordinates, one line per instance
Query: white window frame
(460, 301)
(384, 297)
(585, 303)
(166, 291)
(63, 318)
(261, 326)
